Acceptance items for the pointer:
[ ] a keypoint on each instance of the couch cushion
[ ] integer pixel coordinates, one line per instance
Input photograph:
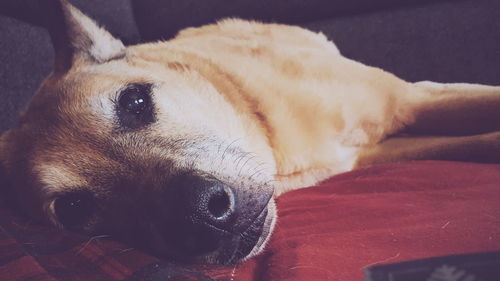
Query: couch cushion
(26, 55)
(445, 42)
(161, 19)
(115, 15)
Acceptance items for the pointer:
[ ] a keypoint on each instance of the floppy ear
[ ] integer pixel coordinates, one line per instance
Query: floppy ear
(77, 37)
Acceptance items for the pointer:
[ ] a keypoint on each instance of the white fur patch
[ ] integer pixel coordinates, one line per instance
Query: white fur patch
(55, 178)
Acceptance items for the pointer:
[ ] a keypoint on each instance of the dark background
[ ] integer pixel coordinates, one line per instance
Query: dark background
(445, 41)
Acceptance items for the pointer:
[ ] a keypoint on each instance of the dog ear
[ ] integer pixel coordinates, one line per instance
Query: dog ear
(77, 37)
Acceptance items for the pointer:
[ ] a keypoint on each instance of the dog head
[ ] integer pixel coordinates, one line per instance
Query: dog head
(147, 151)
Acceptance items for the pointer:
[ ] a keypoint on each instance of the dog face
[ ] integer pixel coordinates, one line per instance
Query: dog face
(143, 150)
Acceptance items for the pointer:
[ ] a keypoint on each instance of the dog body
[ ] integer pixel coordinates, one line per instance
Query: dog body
(304, 109)
(178, 147)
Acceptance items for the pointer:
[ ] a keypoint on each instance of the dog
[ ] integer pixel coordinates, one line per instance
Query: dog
(180, 147)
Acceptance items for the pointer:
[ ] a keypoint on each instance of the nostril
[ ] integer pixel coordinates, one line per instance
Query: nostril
(221, 203)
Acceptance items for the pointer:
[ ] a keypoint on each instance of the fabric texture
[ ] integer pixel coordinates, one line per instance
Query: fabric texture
(379, 215)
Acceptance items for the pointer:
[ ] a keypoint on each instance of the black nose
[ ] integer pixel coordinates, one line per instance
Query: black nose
(216, 203)
(204, 200)
(199, 216)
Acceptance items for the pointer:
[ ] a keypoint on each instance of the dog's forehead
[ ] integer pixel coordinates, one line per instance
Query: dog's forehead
(72, 122)
(74, 113)
(82, 98)
(63, 132)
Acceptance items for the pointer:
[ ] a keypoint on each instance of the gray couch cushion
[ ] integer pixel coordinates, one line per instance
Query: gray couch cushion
(161, 19)
(26, 54)
(446, 42)
(25, 59)
(115, 15)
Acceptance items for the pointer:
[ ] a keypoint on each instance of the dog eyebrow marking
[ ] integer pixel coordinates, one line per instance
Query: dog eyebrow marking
(55, 178)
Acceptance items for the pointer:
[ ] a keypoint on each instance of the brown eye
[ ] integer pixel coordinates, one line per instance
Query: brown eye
(74, 209)
(134, 106)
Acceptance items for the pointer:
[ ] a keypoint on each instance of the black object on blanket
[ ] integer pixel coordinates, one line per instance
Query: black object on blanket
(471, 267)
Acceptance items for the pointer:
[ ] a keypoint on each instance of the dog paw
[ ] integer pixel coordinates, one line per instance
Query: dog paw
(366, 134)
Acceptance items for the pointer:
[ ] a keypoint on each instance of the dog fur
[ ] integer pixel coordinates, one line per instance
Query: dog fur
(264, 108)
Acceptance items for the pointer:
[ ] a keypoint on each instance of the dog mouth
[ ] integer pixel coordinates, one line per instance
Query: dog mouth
(254, 237)
(208, 244)
(244, 245)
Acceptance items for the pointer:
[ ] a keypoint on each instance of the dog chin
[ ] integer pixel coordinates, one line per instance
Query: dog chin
(269, 223)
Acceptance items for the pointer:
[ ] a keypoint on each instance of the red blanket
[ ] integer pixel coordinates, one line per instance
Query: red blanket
(383, 214)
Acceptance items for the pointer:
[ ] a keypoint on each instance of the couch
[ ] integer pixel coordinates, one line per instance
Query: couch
(343, 229)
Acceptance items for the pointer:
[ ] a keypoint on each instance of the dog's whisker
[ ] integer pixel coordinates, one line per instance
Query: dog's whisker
(91, 239)
(243, 156)
(227, 148)
(246, 162)
(126, 250)
(240, 157)
(238, 160)
(259, 171)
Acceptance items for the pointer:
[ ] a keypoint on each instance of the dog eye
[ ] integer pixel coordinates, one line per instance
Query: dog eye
(134, 99)
(74, 209)
(134, 106)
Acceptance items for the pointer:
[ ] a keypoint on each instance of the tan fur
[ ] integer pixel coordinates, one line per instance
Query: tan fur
(247, 102)
(314, 107)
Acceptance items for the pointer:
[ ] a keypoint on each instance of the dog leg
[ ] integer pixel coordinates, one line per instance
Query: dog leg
(456, 110)
(476, 148)
(458, 122)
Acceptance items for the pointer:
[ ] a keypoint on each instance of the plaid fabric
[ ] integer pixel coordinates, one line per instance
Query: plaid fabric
(37, 253)
(383, 214)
